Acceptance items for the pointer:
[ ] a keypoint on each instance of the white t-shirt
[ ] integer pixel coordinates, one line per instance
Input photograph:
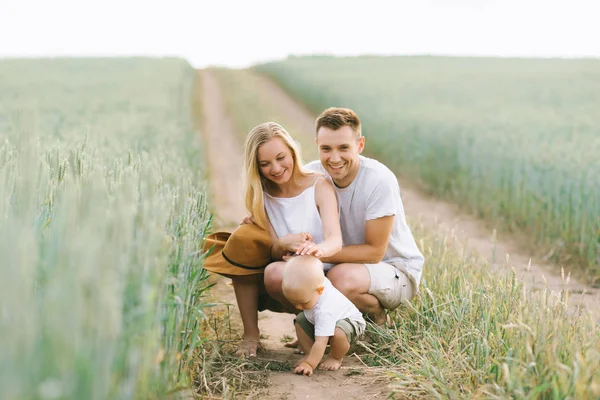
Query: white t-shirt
(373, 194)
(331, 307)
(297, 214)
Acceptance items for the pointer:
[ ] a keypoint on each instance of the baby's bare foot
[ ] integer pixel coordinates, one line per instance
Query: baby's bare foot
(330, 364)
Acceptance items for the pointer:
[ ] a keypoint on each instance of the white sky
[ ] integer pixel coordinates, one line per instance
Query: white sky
(241, 33)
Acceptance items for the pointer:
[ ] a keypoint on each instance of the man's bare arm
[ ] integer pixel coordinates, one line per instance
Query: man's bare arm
(377, 235)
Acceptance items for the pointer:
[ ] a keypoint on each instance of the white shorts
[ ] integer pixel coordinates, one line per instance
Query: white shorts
(390, 285)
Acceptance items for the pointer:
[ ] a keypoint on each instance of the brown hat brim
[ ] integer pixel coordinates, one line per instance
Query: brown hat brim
(218, 262)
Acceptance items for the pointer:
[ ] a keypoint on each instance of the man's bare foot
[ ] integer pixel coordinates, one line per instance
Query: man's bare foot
(380, 319)
(330, 364)
(248, 348)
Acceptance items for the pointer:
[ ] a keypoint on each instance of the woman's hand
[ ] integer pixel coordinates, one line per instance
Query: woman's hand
(249, 220)
(293, 241)
(308, 248)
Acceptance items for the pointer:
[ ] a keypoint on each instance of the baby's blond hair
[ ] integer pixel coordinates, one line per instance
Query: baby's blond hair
(302, 276)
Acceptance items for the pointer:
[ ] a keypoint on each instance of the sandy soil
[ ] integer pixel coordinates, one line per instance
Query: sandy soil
(225, 163)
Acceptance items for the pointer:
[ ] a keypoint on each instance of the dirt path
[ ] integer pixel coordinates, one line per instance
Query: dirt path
(225, 165)
(439, 216)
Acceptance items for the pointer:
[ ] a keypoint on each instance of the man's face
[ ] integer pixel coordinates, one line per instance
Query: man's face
(339, 151)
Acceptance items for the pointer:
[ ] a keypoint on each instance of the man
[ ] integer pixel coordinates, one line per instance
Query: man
(380, 264)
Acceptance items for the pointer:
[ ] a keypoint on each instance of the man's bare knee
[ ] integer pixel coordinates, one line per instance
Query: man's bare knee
(344, 280)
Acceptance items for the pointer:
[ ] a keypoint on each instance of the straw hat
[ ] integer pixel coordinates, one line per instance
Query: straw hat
(245, 251)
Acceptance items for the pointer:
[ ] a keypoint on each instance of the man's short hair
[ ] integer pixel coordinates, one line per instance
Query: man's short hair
(335, 117)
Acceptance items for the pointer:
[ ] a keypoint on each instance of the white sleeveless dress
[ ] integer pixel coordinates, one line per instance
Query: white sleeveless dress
(295, 215)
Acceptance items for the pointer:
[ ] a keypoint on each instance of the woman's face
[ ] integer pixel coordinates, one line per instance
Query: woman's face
(275, 161)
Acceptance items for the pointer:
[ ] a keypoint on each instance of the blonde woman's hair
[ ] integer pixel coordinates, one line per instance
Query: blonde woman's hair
(254, 182)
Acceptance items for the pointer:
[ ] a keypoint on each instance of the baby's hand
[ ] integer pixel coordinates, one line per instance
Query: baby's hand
(300, 361)
(304, 369)
(309, 249)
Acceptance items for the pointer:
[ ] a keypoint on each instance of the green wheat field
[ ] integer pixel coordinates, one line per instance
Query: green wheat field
(102, 202)
(514, 140)
(104, 207)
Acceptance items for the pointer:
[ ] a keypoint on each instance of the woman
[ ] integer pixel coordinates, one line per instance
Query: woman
(297, 207)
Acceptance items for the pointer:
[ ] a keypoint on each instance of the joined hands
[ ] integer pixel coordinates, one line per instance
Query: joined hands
(295, 244)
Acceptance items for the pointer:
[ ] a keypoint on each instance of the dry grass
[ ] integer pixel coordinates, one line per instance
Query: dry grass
(473, 334)
(218, 372)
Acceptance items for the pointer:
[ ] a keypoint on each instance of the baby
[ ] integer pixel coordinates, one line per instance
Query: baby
(326, 316)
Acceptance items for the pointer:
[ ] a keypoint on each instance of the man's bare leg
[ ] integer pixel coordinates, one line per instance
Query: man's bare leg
(339, 347)
(354, 281)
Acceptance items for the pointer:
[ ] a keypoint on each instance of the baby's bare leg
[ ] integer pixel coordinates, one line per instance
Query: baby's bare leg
(339, 346)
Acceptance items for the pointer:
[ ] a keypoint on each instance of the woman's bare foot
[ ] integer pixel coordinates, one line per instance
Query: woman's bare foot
(248, 348)
(330, 364)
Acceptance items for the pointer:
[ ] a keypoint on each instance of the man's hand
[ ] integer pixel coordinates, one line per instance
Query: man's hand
(304, 368)
(308, 248)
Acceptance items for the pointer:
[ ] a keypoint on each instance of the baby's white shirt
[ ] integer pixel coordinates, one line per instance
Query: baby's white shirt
(331, 307)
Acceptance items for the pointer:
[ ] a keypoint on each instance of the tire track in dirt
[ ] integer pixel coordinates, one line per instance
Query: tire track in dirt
(225, 159)
(440, 216)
